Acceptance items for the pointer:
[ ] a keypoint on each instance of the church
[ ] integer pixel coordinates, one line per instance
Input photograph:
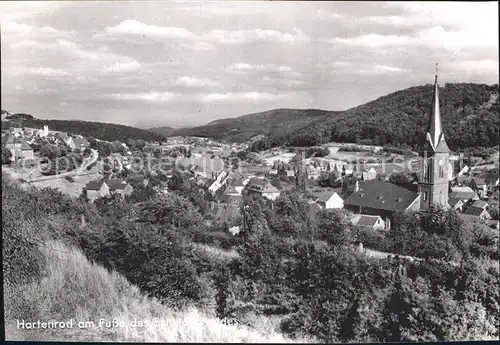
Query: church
(386, 199)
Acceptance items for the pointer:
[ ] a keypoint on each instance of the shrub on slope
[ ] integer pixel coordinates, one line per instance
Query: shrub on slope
(74, 288)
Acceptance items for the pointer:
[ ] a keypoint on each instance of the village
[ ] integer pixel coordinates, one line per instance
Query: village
(371, 183)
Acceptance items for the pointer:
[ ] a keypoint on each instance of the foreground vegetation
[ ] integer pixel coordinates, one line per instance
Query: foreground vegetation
(294, 270)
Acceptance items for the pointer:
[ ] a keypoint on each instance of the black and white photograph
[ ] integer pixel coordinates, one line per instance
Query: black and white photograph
(250, 171)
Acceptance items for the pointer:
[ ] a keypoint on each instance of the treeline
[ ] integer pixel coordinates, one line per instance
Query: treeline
(101, 130)
(290, 263)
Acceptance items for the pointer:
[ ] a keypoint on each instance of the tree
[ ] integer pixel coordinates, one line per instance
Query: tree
(171, 209)
(348, 185)
(49, 151)
(87, 152)
(401, 179)
(6, 155)
(333, 227)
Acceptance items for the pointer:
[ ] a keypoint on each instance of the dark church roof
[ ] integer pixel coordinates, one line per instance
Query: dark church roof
(381, 195)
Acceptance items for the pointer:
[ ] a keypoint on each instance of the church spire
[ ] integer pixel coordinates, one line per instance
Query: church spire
(435, 135)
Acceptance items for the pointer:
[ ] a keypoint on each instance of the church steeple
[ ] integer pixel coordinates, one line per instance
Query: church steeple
(435, 136)
(433, 182)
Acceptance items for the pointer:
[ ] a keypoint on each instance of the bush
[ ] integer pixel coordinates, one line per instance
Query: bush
(372, 239)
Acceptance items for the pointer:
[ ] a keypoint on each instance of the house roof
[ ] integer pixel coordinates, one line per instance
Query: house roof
(80, 141)
(479, 181)
(116, 184)
(453, 201)
(479, 204)
(314, 208)
(26, 147)
(381, 195)
(324, 196)
(464, 193)
(474, 211)
(237, 182)
(94, 185)
(470, 218)
(230, 199)
(366, 220)
(257, 183)
(61, 135)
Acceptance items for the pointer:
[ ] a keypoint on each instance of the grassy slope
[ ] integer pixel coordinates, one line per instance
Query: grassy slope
(74, 288)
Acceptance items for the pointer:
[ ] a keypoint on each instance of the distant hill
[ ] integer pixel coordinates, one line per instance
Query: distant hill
(274, 122)
(165, 130)
(99, 130)
(469, 113)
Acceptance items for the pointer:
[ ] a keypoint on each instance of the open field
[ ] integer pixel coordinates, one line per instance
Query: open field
(67, 187)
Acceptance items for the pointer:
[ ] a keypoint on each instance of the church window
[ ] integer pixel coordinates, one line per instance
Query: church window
(441, 171)
(425, 196)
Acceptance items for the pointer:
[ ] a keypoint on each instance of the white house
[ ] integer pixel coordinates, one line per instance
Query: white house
(372, 222)
(329, 200)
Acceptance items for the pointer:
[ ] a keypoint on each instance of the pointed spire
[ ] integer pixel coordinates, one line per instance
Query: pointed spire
(435, 133)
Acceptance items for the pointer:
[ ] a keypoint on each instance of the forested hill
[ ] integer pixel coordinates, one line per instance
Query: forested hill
(278, 121)
(99, 130)
(469, 113)
(165, 130)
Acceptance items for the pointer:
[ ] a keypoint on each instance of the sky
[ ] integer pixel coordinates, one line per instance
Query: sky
(178, 64)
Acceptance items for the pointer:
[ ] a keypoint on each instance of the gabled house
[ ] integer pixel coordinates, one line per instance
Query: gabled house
(366, 221)
(480, 186)
(477, 212)
(71, 143)
(368, 175)
(382, 198)
(479, 204)
(328, 200)
(103, 188)
(19, 148)
(81, 143)
(456, 204)
(263, 187)
(464, 193)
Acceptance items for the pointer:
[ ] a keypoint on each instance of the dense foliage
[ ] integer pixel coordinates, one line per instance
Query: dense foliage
(290, 263)
(469, 114)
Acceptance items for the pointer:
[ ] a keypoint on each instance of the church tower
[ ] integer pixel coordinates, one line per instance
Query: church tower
(433, 182)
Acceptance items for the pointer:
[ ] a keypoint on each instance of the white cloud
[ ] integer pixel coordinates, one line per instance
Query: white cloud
(289, 83)
(9, 27)
(48, 71)
(25, 44)
(201, 46)
(151, 97)
(245, 67)
(380, 70)
(326, 15)
(342, 64)
(123, 66)
(371, 40)
(477, 66)
(240, 96)
(257, 35)
(455, 40)
(195, 82)
(134, 27)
